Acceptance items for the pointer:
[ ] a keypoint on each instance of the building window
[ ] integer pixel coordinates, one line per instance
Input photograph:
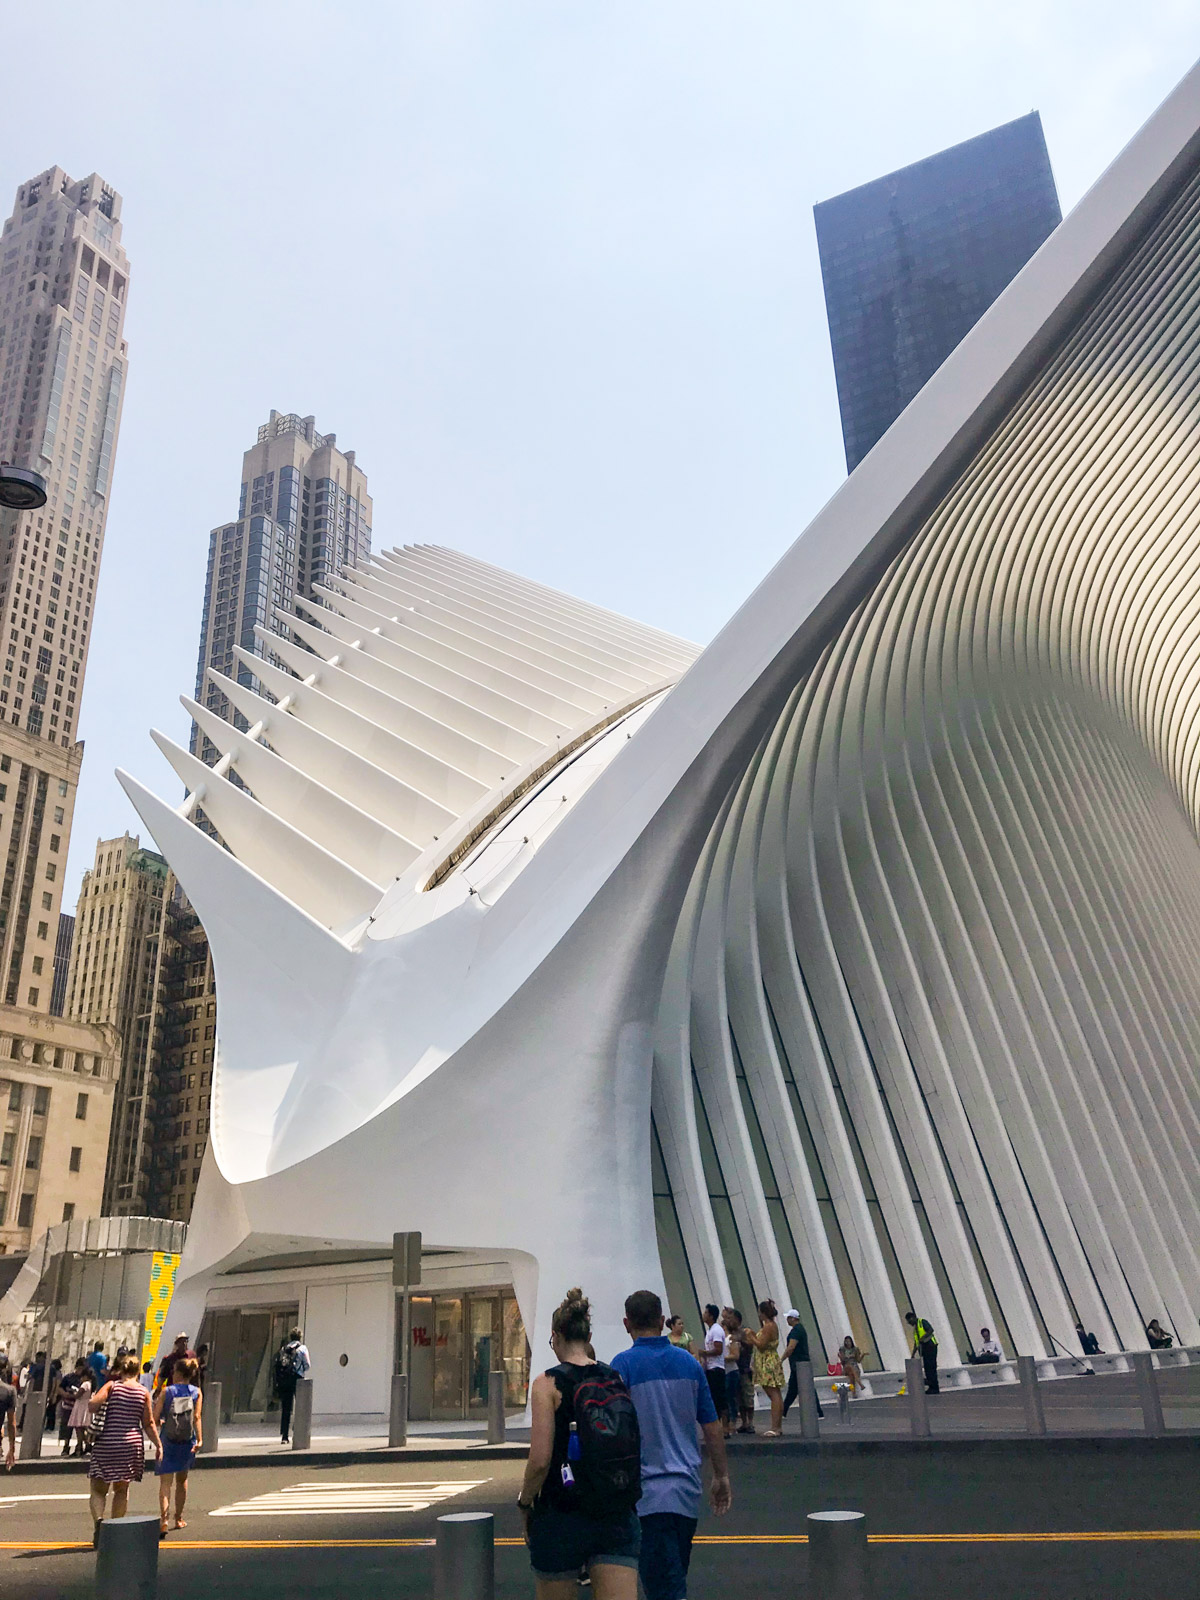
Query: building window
(81, 1101)
(51, 872)
(6, 1149)
(33, 1152)
(14, 1096)
(37, 966)
(68, 1210)
(76, 1157)
(43, 930)
(62, 786)
(41, 1100)
(33, 997)
(25, 1211)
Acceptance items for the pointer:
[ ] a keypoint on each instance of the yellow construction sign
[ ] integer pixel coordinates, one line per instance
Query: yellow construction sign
(163, 1268)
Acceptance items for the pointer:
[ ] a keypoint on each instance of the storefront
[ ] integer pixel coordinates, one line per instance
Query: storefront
(465, 1322)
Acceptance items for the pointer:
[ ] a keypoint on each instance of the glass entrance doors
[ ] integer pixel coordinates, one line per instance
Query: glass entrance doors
(456, 1342)
(241, 1355)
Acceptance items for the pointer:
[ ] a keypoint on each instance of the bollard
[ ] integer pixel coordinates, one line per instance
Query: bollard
(398, 1411)
(837, 1555)
(31, 1429)
(1031, 1395)
(810, 1423)
(302, 1415)
(918, 1405)
(127, 1559)
(210, 1418)
(464, 1563)
(1147, 1389)
(843, 1400)
(495, 1431)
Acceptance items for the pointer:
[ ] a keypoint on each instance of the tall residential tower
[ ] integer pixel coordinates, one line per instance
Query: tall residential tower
(911, 262)
(63, 291)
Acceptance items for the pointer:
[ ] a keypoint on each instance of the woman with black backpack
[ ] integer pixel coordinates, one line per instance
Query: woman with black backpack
(583, 1476)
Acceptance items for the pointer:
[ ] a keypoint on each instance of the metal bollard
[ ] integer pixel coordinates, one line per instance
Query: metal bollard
(127, 1559)
(810, 1423)
(210, 1418)
(495, 1430)
(398, 1411)
(31, 1429)
(1031, 1395)
(843, 1400)
(1147, 1389)
(918, 1406)
(302, 1415)
(837, 1555)
(464, 1563)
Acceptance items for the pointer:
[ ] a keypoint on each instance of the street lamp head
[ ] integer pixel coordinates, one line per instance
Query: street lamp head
(21, 489)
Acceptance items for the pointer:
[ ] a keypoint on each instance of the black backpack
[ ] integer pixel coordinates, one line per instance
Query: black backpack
(608, 1473)
(287, 1366)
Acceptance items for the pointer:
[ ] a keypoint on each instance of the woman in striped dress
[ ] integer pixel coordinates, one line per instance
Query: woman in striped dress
(118, 1456)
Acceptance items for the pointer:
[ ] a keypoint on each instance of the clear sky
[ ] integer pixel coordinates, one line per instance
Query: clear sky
(547, 266)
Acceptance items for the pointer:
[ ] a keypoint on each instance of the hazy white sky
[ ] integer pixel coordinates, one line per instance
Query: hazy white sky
(548, 267)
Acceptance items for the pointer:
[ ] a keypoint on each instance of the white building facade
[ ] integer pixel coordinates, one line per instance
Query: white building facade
(853, 962)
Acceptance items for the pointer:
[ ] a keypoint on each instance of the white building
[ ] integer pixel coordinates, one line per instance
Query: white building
(855, 962)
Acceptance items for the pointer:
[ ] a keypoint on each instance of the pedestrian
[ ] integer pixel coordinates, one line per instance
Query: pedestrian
(678, 1334)
(1088, 1342)
(714, 1362)
(80, 1416)
(118, 1455)
(851, 1359)
(926, 1346)
(68, 1391)
(671, 1398)
(31, 1384)
(8, 1413)
(1158, 1336)
(98, 1362)
(291, 1364)
(581, 1481)
(179, 1351)
(795, 1352)
(146, 1379)
(989, 1352)
(766, 1367)
(52, 1393)
(731, 1323)
(179, 1413)
(202, 1362)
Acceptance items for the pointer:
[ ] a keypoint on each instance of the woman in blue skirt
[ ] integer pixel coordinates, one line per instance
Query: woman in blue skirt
(178, 1411)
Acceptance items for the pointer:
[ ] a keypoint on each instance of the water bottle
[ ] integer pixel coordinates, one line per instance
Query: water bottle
(568, 1477)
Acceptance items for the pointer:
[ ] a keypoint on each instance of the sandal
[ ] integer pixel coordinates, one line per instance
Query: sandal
(771, 1434)
(180, 1523)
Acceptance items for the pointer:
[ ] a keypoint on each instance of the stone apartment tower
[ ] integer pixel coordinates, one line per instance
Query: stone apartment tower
(64, 281)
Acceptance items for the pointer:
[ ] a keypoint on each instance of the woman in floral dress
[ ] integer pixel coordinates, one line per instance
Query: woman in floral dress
(767, 1367)
(118, 1456)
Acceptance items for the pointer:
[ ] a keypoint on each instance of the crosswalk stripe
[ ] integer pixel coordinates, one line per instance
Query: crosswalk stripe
(349, 1499)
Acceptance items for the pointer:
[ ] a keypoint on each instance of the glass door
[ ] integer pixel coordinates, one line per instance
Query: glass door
(447, 1357)
(483, 1321)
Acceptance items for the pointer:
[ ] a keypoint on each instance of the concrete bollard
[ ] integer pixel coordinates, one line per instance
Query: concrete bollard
(1147, 1389)
(843, 1400)
(495, 1429)
(31, 1428)
(210, 1417)
(464, 1563)
(1031, 1395)
(810, 1423)
(398, 1411)
(837, 1555)
(918, 1405)
(302, 1415)
(127, 1559)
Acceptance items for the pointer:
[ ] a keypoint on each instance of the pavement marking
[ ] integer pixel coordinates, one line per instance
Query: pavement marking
(21, 1499)
(350, 1499)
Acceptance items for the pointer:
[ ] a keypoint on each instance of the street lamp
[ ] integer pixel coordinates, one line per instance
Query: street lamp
(21, 489)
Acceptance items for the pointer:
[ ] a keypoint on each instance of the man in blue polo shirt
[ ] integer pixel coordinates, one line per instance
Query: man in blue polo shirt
(671, 1396)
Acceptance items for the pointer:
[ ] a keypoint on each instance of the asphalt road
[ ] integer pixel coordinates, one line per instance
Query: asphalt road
(957, 1522)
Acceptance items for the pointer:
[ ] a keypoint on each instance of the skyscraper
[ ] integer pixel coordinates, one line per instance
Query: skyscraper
(64, 284)
(304, 513)
(911, 262)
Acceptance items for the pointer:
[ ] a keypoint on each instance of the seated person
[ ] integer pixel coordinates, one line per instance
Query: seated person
(1088, 1342)
(989, 1351)
(1158, 1336)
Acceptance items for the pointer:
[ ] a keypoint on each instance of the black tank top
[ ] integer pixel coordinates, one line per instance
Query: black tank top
(566, 1376)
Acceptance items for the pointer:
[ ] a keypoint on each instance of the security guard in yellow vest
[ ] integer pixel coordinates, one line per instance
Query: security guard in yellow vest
(925, 1345)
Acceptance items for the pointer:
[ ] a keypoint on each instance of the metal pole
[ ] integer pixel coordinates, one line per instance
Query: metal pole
(1031, 1395)
(398, 1411)
(810, 1423)
(1147, 1389)
(211, 1418)
(464, 1565)
(127, 1559)
(35, 1421)
(918, 1406)
(837, 1555)
(495, 1431)
(302, 1415)
(843, 1400)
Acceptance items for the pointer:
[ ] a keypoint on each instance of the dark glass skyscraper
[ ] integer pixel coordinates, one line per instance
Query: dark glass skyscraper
(911, 262)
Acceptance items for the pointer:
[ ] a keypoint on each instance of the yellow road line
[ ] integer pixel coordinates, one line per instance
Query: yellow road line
(1096, 1537)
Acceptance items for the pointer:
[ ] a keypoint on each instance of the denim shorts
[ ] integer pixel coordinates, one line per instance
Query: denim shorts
(561, 1542)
